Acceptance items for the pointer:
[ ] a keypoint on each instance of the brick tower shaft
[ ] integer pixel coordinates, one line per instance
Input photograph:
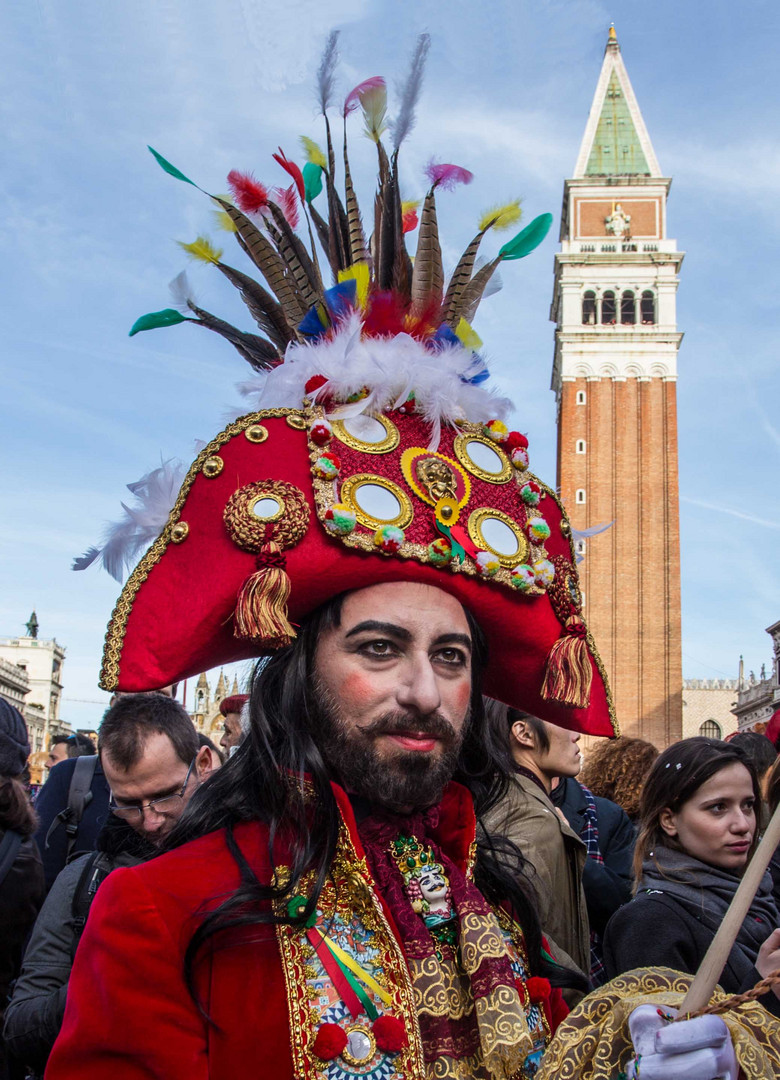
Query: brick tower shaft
(614, 375)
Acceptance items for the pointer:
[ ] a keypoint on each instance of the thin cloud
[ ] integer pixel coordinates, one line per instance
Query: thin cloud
(728, 510)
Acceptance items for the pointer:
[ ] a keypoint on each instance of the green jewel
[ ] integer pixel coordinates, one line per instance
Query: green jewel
(410, 862)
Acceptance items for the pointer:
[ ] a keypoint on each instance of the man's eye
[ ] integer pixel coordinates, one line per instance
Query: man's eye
(452, 656)
(378, 648)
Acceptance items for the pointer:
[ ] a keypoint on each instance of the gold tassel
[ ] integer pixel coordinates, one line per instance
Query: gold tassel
(568, 672)
(261, 608)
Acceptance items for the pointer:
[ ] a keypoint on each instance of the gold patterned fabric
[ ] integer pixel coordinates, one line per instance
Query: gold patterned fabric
(593, 1042)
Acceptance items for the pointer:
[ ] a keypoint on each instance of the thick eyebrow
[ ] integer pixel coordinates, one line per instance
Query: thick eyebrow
(377, 627)
(402, 634)
(454, 639)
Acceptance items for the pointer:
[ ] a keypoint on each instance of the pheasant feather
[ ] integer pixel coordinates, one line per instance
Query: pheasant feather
(428, 273)
(266, 312)
(499, 217)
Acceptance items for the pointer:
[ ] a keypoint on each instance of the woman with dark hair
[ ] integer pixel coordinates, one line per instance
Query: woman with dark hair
(21, 873)
(697, 835)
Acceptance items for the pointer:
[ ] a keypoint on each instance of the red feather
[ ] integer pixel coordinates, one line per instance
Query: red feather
(291, 168)
(410, 221)
(385, 316)
(250, 195)
(352, 100)
(447, 176)
(286, 201)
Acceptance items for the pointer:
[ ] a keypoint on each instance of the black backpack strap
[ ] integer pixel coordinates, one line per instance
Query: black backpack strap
(9, 849)
(97, 867)
(79, 797)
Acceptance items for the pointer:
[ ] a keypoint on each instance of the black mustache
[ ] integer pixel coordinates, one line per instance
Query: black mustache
(400, 723)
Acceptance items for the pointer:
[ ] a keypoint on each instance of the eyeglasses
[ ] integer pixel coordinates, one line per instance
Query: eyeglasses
(164, 806)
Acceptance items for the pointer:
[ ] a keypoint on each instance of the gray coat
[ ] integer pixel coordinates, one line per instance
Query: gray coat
(34, 1015)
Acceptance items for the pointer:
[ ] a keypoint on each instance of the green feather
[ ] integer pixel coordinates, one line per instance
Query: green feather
(171, 169)
(312, 180)
(530, 237)
(168, 317)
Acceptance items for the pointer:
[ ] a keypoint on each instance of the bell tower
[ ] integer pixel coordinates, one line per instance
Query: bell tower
(614, 376)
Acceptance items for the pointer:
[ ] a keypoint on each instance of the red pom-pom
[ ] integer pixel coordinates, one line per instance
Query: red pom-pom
(513, 440)
(314, 383)
(330, 1041)
(390, 1034)
(538, 988)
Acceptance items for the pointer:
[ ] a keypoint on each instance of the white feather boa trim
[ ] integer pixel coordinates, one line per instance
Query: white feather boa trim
(391, 368)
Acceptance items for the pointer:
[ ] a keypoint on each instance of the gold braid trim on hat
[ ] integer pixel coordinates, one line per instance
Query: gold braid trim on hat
(593, 1042)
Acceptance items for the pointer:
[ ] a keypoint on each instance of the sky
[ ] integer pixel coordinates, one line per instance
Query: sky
(89, 225)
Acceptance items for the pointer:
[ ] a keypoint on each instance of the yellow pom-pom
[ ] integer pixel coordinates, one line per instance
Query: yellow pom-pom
(202, 249)
(500, 217)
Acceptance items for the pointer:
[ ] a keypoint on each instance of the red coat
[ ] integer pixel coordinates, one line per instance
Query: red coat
(130, 1015)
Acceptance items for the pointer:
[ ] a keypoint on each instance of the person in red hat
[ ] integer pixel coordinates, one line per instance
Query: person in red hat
(330, 908)
(235, 723)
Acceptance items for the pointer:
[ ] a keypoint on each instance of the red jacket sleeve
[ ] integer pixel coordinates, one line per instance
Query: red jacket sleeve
(129, 1014)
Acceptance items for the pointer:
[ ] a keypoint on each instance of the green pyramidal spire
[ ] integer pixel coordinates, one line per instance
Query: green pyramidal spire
(616, 149)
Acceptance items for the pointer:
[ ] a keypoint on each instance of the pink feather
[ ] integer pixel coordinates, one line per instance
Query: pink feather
(286, 201)
(291, 168)
(447, 176)
(353, 98)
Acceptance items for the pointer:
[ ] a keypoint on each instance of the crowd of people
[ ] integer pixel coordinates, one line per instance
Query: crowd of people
(665, 852)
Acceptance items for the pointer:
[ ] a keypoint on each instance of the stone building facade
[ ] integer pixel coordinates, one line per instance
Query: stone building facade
(614, 375)
(205, 706)
(758, 698)
(31, 679)
(707, 707)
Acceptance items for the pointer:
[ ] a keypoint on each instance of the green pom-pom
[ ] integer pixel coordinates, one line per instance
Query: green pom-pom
(167, 317)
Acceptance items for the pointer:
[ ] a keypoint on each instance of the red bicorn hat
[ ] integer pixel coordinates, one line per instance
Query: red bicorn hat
(284, 510)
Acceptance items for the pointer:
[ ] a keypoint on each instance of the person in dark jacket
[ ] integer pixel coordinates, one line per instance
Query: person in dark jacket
(51, 837)
(21, 881)
(607, 879)
(697, 834)
(34, 1014)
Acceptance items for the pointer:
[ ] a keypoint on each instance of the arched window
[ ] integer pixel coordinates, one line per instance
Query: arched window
(711, 729)
(580, 447)
(589, 308)
(579, 546)
(580, 496)
(628, 308)
(581, 398)
(608, 309)
(647, 308)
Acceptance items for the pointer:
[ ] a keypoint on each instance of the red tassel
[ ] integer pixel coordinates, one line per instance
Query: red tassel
(261, 608)
(330, 1041)
(390, 1034)
(568, 673)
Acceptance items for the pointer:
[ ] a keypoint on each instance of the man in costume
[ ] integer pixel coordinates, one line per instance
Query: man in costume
(372, 526)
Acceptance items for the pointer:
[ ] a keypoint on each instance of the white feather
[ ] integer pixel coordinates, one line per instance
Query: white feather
(182, 293)
(392, 368)
(155, 494)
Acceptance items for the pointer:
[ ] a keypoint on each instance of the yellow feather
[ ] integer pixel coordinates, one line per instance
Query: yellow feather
(362, 277)
(469, 338)
(223, 220)
(500, 217)
(313, 153)
(407, 206)
(202, 249)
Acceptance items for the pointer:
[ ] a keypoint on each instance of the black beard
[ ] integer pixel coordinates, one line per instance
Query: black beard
(400, 783)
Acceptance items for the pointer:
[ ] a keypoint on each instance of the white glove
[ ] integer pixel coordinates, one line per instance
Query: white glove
(698, 1049)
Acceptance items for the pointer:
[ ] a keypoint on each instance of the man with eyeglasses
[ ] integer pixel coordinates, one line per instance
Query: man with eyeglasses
(153, 763)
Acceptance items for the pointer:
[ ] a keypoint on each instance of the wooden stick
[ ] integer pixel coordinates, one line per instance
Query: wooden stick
(711, 967)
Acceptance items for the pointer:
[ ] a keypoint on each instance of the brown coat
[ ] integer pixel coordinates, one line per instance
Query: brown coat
(557, 857)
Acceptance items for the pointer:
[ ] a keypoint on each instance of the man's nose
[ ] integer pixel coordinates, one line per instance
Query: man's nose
(418, 687)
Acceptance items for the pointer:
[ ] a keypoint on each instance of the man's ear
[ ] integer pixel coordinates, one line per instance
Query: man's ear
(205, 762)
(667, 819)
(523, 734)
